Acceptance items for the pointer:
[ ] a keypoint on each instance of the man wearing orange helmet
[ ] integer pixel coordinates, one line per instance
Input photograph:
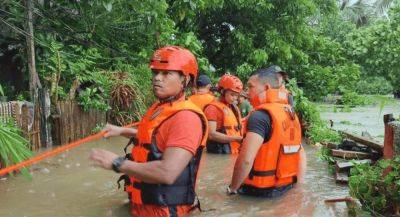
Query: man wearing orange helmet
(161, 169)
(202, 95)
(224, 118)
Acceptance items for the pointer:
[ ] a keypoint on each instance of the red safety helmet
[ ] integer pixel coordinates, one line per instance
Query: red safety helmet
(230, 82)
(174, 58)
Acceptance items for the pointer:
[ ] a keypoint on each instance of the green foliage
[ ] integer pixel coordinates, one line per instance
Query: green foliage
(316, 128)
(98, 128)
(379, 194)
(377, 48)
(354, 99)
(13, 147)
(258, 37)
(1, 90)
(374, 85)
(91, 98)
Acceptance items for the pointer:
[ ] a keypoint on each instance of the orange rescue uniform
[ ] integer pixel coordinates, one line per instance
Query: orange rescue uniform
(161, 199)
(277, 161)
(231, 126)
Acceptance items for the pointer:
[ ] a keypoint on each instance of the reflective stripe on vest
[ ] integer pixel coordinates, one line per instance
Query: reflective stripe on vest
(181, 192)
(290, 149)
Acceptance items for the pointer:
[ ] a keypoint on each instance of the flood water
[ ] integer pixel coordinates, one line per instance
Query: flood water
(68, 185)
(367, 118)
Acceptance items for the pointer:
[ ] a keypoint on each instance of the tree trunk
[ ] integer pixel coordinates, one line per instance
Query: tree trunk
(34, 82)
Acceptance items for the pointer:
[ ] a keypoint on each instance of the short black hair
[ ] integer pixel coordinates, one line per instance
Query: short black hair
(268, 76)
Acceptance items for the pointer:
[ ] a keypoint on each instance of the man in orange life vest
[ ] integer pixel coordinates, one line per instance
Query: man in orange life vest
(168, 142)
(224, 118)
(268, 162)
(202, 95)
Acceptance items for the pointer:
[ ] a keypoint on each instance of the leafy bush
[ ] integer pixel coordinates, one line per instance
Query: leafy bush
(379, 194)
(374, 85)
(91, 98)
(354, 99)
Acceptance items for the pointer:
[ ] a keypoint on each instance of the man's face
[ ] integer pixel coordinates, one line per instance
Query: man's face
(254, 87)
(231, 97)
(167, 83)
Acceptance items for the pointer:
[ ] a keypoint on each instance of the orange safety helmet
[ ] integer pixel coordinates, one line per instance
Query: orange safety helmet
(175, 58)
(230, 82)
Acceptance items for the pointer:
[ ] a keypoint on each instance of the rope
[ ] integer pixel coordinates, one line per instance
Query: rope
(54, 152)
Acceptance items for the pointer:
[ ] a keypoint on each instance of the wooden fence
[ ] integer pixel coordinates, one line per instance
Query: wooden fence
(25, 116)
(72, 123)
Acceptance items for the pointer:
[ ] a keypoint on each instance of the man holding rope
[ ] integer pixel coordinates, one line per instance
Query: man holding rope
(168, 141)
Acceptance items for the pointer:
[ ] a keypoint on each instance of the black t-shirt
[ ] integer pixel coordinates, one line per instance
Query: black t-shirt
(260, 122)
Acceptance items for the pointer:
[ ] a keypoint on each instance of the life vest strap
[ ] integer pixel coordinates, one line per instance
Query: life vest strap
(237, 127)
(166, 195)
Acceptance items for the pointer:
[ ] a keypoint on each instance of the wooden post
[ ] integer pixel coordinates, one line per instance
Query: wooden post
(388, 141)
(34, 81)
(44, 106)
(396, 137)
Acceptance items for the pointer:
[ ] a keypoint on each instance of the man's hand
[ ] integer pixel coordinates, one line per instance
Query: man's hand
(103, 158)
(112, 130)
(238, 139)
(229, 191)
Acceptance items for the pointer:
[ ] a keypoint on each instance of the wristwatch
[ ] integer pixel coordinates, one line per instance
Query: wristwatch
(116, 164)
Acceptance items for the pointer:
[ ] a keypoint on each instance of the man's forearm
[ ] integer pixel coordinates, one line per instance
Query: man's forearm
(222, 138)
(150, 172)
(240, 172)
(129, 132)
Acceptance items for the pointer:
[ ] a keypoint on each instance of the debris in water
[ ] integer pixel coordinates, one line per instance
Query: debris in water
(78, 164)
(3, 178)
(67, 166)
(31, 191)
(45, 170)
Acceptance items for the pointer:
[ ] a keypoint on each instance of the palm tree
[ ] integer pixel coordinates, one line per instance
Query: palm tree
(362, 12)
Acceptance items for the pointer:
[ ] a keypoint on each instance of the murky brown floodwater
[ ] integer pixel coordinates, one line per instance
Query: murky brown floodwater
(67, 185)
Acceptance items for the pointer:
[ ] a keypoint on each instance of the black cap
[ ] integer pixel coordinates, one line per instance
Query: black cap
(203, 80)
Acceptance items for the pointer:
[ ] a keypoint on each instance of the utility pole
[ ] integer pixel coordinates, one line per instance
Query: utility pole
(34, 82)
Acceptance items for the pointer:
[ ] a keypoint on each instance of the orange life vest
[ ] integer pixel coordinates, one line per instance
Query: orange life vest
(182, 191)
(277, 160)
(201, 100)
(232, 126)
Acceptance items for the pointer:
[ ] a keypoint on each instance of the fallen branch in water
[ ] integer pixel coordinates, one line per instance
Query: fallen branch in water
(344, 199)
